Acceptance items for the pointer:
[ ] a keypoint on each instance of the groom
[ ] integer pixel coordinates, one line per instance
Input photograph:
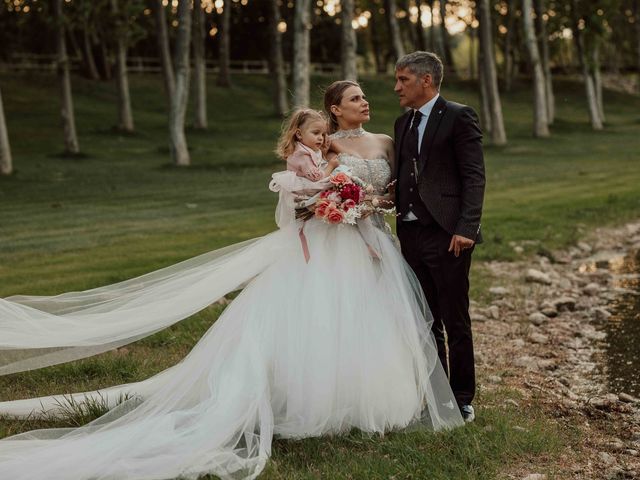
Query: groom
(439, 169)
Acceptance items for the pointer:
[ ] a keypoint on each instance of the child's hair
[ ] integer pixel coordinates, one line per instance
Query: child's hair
(287, 141)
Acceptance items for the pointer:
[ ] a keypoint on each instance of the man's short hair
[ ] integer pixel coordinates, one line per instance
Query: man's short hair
(422, 63)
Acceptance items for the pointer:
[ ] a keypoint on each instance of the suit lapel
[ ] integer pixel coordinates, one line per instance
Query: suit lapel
(398, 144)
(437, 112)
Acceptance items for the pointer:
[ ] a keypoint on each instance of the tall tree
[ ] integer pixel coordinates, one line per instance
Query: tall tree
(179, 150)
(483, 13)
(162, 35)
(446, 38)
(636, 15)
(540, 119)
(301, 53)
(543, 42)
(6, 163)
(348, 54)
(125, 116)
(224, 52)
(590, 87)
(66, 109)
(507, 51)
(276, 61)
(394, 29)
(199, 67)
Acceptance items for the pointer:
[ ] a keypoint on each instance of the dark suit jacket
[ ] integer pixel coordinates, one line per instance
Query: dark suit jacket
(451, 167)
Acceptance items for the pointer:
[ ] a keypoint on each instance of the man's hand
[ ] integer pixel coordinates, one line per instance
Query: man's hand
(460, 243)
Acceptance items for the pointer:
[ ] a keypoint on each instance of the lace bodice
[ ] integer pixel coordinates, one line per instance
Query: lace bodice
(375, 171)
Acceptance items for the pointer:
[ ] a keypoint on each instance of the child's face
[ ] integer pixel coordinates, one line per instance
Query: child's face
(312, 134)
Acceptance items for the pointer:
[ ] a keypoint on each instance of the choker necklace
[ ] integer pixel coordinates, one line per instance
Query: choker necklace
(353, 133)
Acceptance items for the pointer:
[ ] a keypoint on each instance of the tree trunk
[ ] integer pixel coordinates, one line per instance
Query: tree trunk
(6, 164)
(636, 15)
(301, 53)
(104, 53)
(381, 65)
(394, 28)
(543, 42)
(179, 150)
(125, 117)
(87, 53)
(408, 27)
(200, 67)
(592, 102)
(446, 40)
(66, 109)
(424, 34)
(348, 54)
(485, 108)
(472, 51)
(224, 52)
(540, 119)
(276, 62)
(498, 134)
(507, 52)
(163, 48)
(597, 78)
(432, 29)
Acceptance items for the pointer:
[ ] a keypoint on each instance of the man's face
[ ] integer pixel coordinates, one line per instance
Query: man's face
(413, 91)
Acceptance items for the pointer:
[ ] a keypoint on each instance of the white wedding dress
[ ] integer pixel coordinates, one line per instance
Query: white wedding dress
(307, 348)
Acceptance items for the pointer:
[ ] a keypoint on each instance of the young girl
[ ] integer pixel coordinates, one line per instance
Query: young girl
(302, 144)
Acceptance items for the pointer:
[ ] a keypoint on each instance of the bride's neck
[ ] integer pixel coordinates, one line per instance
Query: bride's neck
(349, 126)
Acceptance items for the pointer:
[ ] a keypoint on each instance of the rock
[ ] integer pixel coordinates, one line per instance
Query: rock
(477, 317)
(549, 312)
(547, 364)
(626, 398)
(494, 312)
(539, 338)
(518, 428)
(615, 445)
(592, 289)
(601, 314)
(530, 363)
(565, 283)
(585, 247)
(518, 249)
(535, 476)
(632, 452)
(512, 402)
(494, 379)
(518, 343)
(565, 304)
(606, 458)
(498, 291)
(536, 276)
(537, 318)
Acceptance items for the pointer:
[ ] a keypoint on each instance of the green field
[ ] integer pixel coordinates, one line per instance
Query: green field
(122, 210)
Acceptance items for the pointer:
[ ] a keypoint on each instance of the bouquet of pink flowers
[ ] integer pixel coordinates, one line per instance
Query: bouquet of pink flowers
(343, 202)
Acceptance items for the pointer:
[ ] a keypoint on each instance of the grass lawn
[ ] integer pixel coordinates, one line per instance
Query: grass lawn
(122, 210)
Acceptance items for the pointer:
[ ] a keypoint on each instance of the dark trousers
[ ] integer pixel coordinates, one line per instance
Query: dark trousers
(445, 282)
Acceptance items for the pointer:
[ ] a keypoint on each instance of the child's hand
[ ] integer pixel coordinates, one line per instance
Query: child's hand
(326, 145)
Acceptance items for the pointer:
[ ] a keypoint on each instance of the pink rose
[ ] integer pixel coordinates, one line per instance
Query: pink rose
(348, 205)
(340, 178)
(335, 216)
(321, 208)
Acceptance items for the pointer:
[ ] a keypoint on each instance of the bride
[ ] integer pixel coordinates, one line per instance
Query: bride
(316, 343)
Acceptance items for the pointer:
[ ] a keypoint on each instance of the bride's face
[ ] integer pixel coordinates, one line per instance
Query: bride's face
(353, 108)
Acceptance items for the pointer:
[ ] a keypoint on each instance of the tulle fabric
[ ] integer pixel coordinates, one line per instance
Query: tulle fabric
(306, 349)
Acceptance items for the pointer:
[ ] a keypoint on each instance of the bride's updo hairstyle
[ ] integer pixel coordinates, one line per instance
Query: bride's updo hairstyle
(333, 96)
(297, 121)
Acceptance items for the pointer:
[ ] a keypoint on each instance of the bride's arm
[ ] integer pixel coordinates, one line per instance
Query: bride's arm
(388, 199)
